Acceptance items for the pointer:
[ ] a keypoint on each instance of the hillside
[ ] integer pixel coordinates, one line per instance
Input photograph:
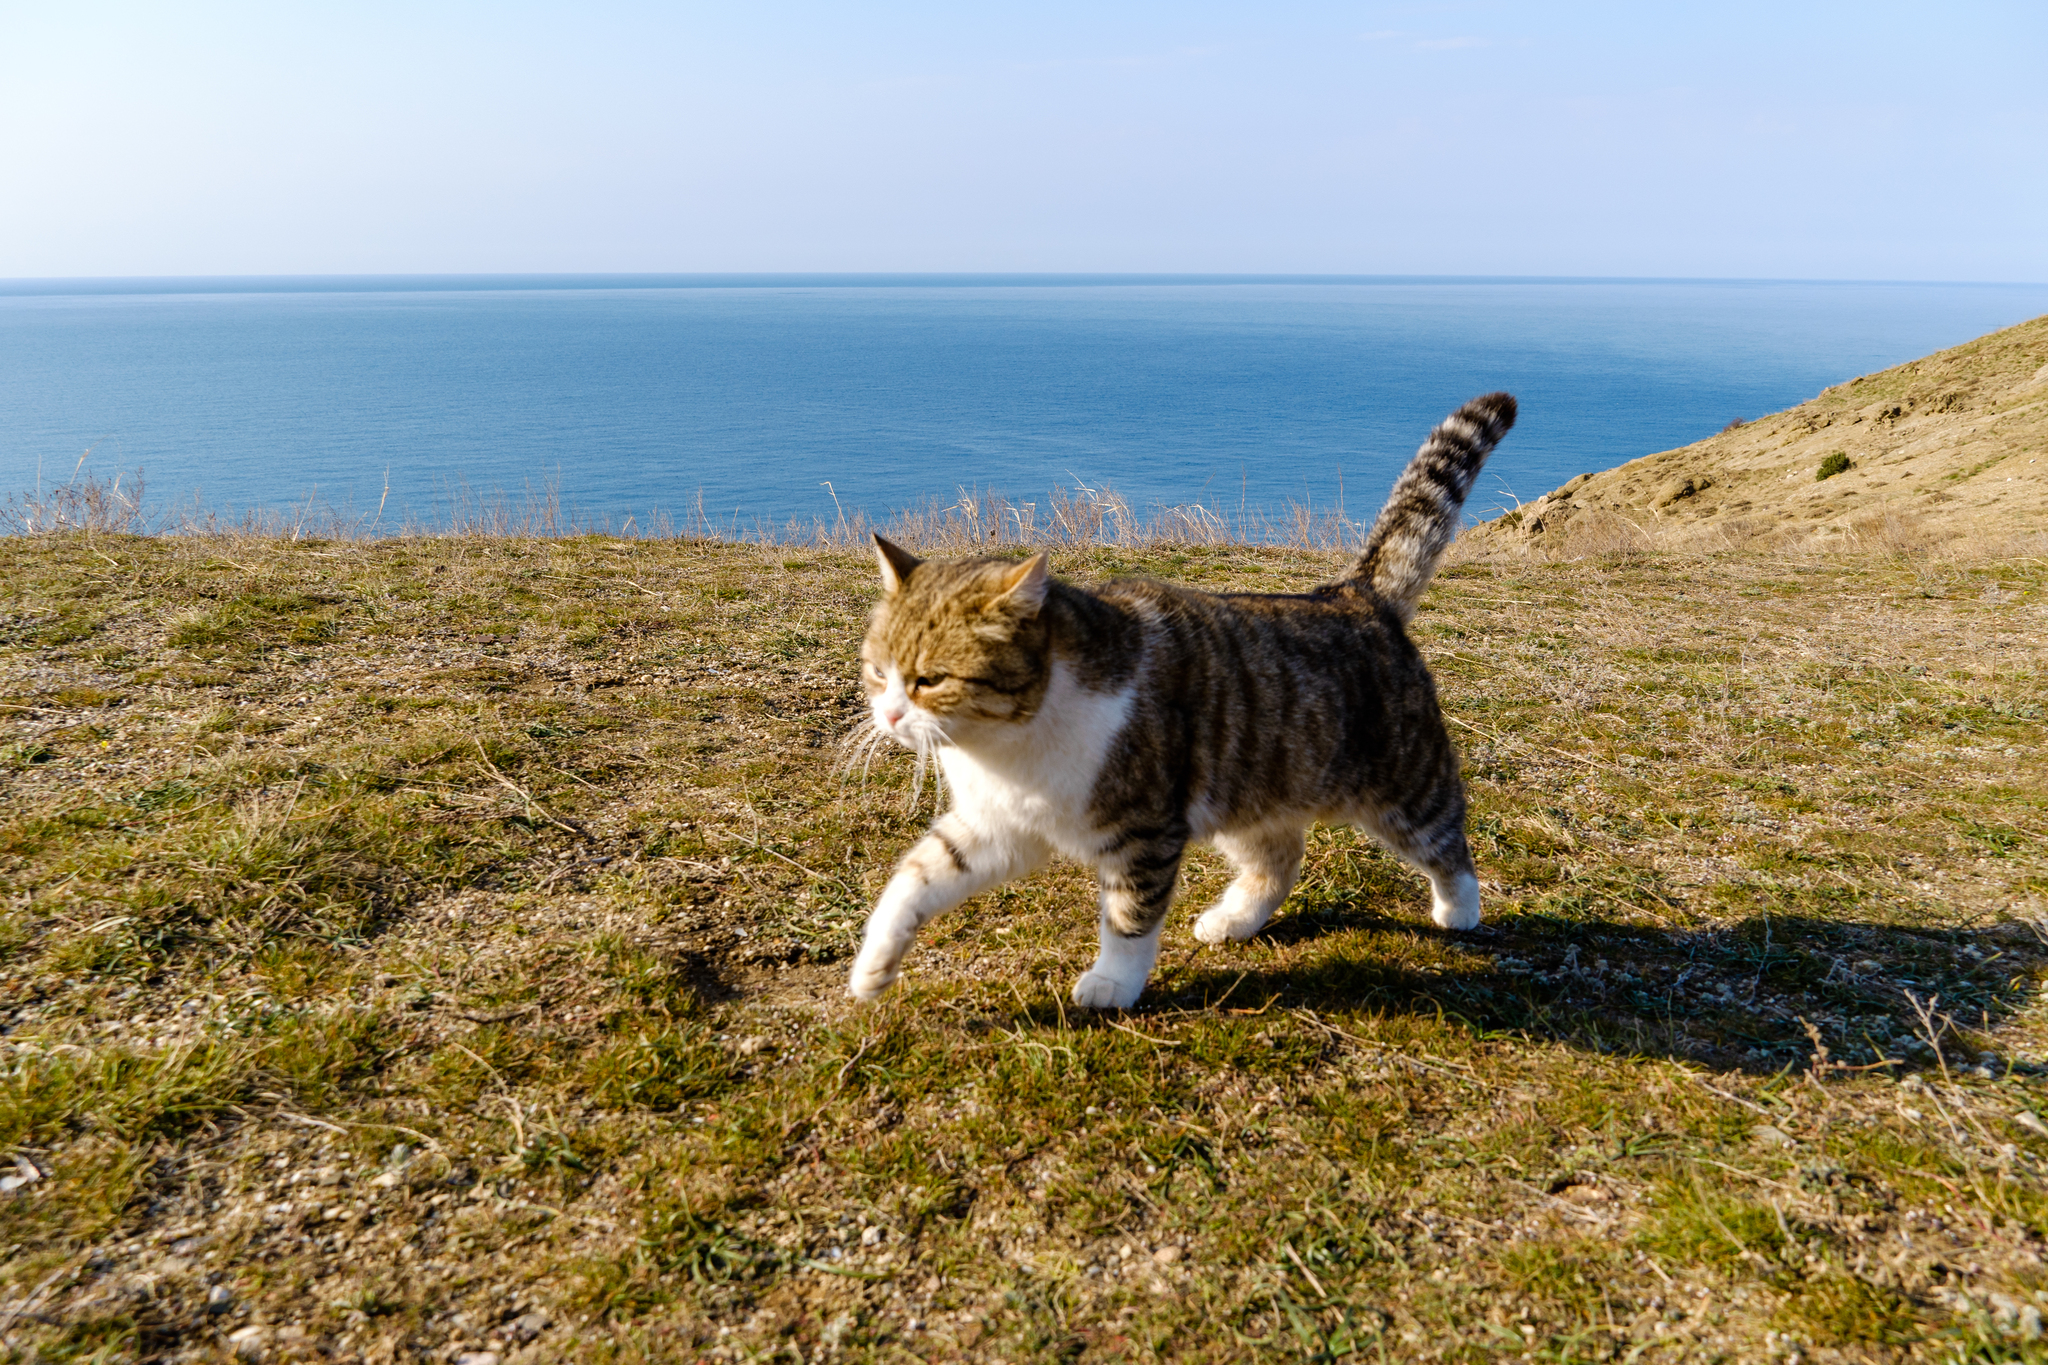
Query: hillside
(433, 950)
(1952, 446)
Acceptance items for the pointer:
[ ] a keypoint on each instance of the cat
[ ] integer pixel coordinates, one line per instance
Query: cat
(1116, 724)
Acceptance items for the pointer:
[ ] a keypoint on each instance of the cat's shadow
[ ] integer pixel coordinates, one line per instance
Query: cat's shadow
(1736, 996)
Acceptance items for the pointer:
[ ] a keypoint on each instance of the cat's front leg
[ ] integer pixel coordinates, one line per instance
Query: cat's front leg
(1136, 889)
(956, 860)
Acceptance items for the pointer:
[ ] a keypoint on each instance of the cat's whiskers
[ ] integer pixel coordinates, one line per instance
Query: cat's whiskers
(925, 744)
(866, 739)
(859, 745)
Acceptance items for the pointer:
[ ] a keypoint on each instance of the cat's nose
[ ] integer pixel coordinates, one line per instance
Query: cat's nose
(892, 714)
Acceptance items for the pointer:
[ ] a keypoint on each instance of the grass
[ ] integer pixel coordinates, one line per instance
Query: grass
(437, 946)
(974, 520)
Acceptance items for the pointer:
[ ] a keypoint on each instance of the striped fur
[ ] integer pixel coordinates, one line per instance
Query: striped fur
(1420, 519)
(1116, 725)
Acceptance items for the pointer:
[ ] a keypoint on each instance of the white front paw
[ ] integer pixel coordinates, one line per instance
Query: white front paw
(869, 981)
(1098, 990)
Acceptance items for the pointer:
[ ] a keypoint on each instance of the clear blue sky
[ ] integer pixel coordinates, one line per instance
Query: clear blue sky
(1785, 139)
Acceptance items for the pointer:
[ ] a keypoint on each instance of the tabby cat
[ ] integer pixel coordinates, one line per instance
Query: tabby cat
(1115, 724)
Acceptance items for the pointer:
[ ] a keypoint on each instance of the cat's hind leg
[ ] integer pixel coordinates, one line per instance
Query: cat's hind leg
(1267, 861)
(950, 864)
(1137, 888)
(1435, 847)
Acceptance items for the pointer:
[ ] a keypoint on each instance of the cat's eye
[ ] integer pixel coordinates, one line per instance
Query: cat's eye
(928, 680)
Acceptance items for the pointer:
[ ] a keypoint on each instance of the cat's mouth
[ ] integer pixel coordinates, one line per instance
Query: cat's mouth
(914, 730)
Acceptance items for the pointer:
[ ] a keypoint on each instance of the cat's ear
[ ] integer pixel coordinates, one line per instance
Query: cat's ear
(1024, 587)
(896, 563)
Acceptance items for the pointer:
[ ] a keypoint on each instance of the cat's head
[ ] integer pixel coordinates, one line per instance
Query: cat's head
(956, 646)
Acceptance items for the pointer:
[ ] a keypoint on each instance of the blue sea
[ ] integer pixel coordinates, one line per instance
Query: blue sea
(753, 393)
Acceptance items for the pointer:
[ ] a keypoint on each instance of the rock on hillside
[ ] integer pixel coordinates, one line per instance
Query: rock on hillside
(1956, 442)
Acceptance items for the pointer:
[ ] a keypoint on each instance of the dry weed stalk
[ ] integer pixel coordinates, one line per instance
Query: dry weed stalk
(84, 502)
(1932, 1026)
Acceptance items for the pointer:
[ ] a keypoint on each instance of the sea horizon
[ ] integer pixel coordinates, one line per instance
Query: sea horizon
(767, 397)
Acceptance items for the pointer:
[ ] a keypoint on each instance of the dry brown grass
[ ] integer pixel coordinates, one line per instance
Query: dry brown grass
(974, 522)
(1891, 533)
(85, 502)
(435, 946)
(1948, 453)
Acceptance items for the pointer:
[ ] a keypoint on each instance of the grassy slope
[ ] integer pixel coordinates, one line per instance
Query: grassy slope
(437, 946)
(1957, 440)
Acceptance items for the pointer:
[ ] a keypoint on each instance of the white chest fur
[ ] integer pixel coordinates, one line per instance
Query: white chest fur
(1036, 779)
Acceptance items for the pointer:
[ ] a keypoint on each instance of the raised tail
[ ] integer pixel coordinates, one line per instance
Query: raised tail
(1420, 519)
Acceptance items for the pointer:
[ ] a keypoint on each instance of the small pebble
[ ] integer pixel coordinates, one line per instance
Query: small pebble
(1166, 1255)
(26, 1172)
(527, 1326)
(219, 1299)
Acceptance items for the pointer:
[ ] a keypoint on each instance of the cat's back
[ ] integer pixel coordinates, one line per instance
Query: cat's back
(1180, 627)
(1253, 704)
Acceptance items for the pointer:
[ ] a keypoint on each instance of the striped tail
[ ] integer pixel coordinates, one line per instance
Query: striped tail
(1420, 519)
